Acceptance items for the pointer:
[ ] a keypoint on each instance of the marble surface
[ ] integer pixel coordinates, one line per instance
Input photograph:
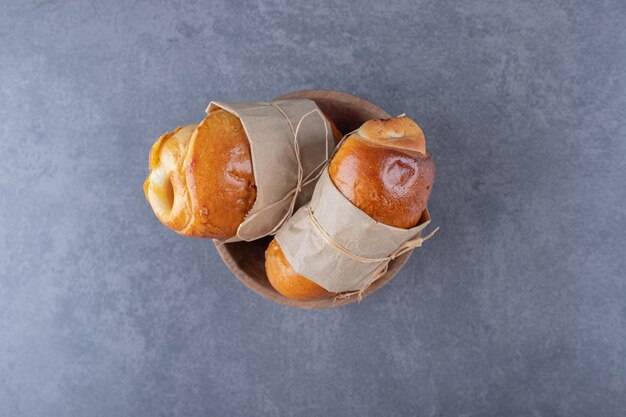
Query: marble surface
(516, 308)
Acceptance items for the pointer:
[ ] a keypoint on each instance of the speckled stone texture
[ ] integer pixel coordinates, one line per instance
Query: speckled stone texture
(516, 308)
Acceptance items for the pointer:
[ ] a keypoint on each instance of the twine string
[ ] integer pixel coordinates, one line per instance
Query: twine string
(302, 180)
(383, 262)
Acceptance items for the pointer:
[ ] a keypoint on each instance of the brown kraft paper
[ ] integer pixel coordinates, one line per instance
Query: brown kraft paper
(357, 248)
(290, 140)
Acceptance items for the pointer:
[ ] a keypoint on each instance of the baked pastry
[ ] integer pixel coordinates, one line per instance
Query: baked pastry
(201, 181)
(384, 170)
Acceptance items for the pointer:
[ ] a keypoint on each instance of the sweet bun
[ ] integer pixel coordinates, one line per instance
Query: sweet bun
(384, 170)
(201, 181)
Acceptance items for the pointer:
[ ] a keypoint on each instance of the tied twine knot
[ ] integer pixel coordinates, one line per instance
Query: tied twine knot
(302, 180)
(383, 262)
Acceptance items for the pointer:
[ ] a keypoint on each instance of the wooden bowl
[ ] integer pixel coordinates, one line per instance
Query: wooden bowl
(247, 259)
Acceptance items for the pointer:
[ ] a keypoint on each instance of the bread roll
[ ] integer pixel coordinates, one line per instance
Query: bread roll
(384, 170)
(201, 181)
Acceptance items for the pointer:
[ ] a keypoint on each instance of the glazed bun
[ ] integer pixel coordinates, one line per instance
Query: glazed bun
(384, 170)
(201, 181)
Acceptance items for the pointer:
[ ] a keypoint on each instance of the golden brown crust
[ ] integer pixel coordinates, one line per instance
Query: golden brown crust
(201, 181)
(384, 170)
(219, 176)
(392, 183)
(165, 186)
(286, 281)
(209, 168)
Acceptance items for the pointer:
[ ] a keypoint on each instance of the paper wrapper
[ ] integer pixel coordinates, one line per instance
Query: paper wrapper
(311, 256)
(270, 128)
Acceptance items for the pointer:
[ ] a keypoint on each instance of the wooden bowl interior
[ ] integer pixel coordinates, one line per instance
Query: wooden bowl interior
(247, 259)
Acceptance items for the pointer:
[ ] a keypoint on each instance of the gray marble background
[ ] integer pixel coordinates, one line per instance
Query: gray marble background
(516, 308)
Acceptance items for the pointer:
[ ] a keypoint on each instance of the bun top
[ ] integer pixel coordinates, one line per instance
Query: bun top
(399, 132)
(384, 170)
(165, 187)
